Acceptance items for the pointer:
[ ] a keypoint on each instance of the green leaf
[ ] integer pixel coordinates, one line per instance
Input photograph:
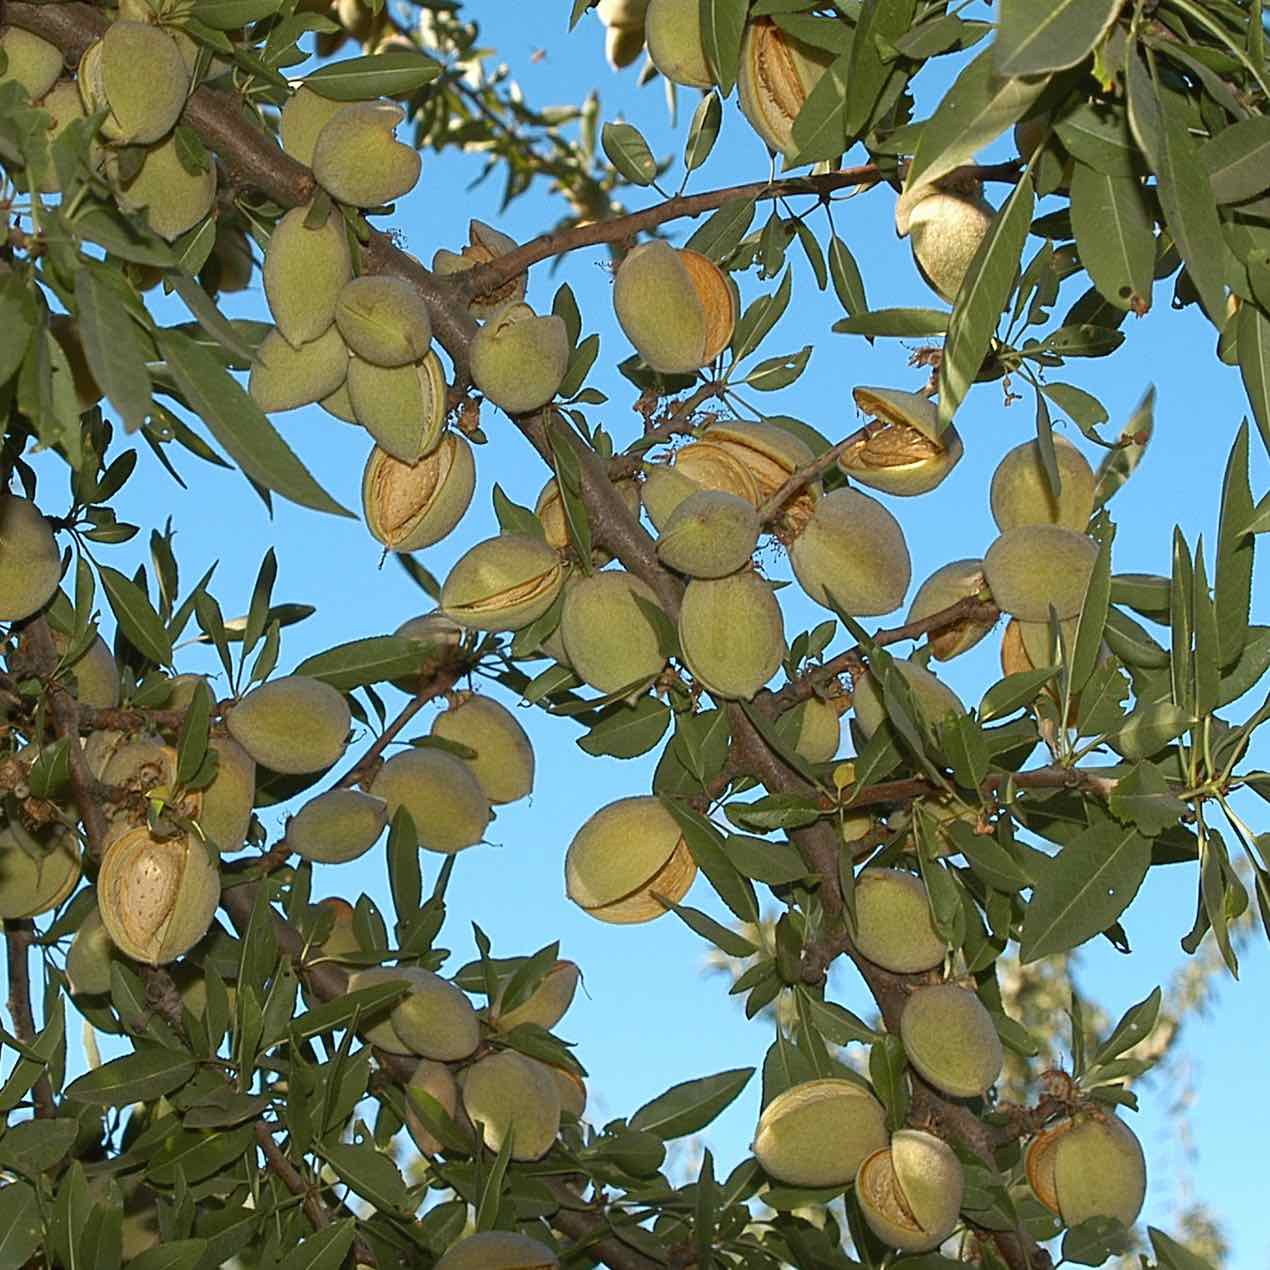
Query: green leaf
(688, 1107)
(1190, 210)
(178, 1254)
(1232, 594)
(229, 15)
(976, 110)
(900, 322)
(819, 127)
(17, 322)
(389, 73)
(779, 372)
(1049, 35)
(880, 24)
(1151, 727)
(717, 237)
(239, 424)
(848, 285)
(112, 348)
(1013, 692)
(1253, 347)
(772, 862)
(706, 845)
(136, 616)
(374, 660)
(628, 731)
(888, 1065)
(1084, 889)
(1087, 641)
(703, 132)
(722, 26)
(981, 298)
(142, 1076)
(21, 1231)
(628, 152)
(1173, 1255)
(1236, 159)
(370, 1174)
(323, 1250)
(1115, 236)
(1136, 1024)
(1143, 799)
(1097, 134)
(719, 935)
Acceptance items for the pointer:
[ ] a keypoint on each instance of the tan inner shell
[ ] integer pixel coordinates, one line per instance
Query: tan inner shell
(715, 467)
(513, 595)
(1039, 1163)
(403, 491)
(890, 444)
(148, 888)
(672, 880)
(878, 1180)
(716, 299)
(783, 95)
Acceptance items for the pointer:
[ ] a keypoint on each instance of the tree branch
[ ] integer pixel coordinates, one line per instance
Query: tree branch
(18, 935)
(493, 275)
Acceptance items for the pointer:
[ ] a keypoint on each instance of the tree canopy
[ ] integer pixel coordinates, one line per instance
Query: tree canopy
(305, 1083)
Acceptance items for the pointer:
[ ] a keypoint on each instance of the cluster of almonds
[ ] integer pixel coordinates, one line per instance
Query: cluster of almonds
(831, 1132)
(945, 220)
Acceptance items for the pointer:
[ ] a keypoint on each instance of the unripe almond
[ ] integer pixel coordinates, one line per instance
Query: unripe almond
(499, 1250)
(402, 407)
(946, 230)
(1089, 1166)
(904, 452)
(224, 807)
(776, 74)
(157, 897)
(293, 725)
(444, 799)
(89, 958)
(814, 728)
(136, 70)
(96, 673)
(171, 197)
(910, 1192)
(509, 1096)
(442, 640)
(672, 30)
(435, 1080)
(769, 453)
(817, 1133)
(36, 873)
(935, 699)
(485, 244)
(30, 564)
(1034, 568)
(339, 404)
(1021, 495)
(358, 161)
(676, 306)
(303, 118)
(572, 1091)
(337, 826)
(305, 272)
(384, 320)
(518, 359)
(284, 377)
(853, 547)
(31, 61)
(503, 583)
(504, 762)
(610, 641)
(893, 922)
(413, 505)
(436, 1020)
(622, 45)
(625, 854)
(950, 1040)
(546, 1005)
(709, 535)
(732, 633)
(663, 489)
(945, 587)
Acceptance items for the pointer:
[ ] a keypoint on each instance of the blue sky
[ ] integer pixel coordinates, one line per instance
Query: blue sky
(648, 1018)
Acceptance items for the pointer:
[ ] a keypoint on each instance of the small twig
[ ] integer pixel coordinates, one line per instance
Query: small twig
(805, 475)
(679, 422)
(18, 934)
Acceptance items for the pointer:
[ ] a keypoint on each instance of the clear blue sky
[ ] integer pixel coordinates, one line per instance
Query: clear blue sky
(648, 1018)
